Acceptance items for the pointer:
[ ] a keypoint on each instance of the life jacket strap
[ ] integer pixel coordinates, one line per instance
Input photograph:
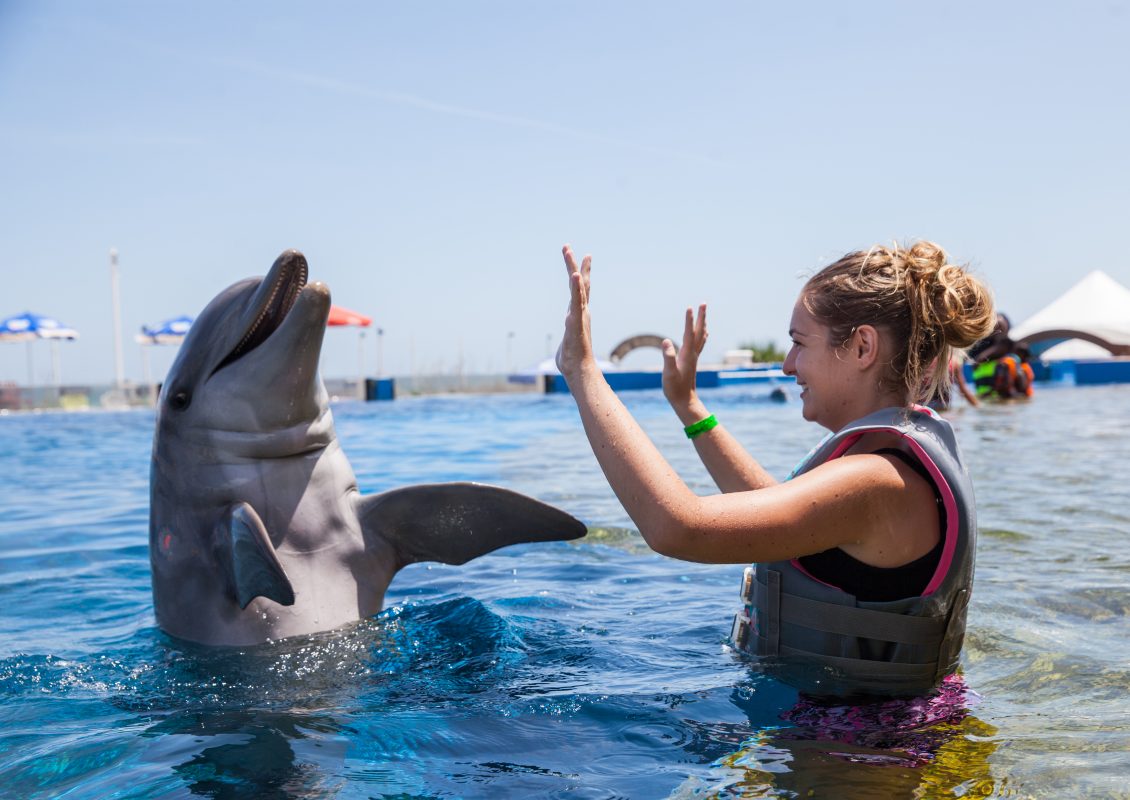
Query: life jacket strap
(845, 620)
(875, 670)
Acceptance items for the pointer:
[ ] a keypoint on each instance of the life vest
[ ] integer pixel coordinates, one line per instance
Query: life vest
(1007, 376)
(824, 641)
(984, 378)
(1015, 378)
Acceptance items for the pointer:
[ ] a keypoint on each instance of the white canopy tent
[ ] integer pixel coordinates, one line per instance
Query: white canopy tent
(1091, 319)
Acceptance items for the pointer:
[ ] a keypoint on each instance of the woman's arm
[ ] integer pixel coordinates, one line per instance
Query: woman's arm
(729, 464)
(857, 501)
(958, 372)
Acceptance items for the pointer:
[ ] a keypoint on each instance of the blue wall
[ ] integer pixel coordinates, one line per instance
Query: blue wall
(706, 379)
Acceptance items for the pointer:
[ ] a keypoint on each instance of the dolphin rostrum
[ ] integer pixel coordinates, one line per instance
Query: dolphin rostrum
(256, 528)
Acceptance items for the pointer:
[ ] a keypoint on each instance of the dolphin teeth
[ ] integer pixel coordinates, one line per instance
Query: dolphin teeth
(283, 294)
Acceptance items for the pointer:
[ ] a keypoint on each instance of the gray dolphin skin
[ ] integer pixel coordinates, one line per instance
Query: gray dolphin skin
(257, 530)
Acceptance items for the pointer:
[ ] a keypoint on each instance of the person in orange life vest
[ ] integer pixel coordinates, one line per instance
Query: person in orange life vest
(1014, 376)
(872, 332)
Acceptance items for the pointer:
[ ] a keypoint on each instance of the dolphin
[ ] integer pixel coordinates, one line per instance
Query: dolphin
(257, 530)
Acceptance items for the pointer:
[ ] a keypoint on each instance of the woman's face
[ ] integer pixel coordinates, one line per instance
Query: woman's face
(821, 370)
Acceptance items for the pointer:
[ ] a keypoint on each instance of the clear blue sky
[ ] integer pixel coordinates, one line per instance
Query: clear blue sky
(431, 157)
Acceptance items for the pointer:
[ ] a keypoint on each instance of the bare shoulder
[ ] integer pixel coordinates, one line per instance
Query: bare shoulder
(858, 476)
(891, 506)
(851, 501)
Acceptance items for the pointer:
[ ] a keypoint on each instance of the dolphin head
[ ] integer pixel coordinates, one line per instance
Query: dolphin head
(250, 360)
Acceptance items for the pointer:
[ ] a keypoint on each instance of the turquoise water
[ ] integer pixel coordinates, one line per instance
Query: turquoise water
(593, 669)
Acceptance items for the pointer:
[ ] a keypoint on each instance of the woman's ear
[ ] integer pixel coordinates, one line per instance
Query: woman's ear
(864, 346)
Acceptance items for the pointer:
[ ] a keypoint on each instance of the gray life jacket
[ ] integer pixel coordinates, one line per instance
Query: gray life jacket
(824, 641)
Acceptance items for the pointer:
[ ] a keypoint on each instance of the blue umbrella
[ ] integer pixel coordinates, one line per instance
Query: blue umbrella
(28, 327)
(171, 331)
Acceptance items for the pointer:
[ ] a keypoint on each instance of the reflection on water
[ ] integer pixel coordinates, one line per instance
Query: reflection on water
(783, 764)
(242, 754)
(922, 747)
(591, 669)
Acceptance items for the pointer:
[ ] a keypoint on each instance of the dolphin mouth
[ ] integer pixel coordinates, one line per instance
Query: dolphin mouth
(271, 302)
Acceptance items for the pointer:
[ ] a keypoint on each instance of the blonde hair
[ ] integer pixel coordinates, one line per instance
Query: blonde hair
(929, 307)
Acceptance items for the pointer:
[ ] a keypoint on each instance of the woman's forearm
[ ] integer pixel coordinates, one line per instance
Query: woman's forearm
(729, 464)
(732, 468)
(653, 494)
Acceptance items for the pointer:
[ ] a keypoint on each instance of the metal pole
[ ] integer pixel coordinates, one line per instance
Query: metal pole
(56, 380)
(147, 374)
(380, 351)
(361, 363)
(119, 362)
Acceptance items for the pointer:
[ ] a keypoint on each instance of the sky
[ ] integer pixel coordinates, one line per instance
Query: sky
(430, 159)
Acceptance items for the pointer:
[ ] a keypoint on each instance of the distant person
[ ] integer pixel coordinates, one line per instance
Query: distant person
(1013, 376)
(996, 344)
(864, 555)
(1001, 370)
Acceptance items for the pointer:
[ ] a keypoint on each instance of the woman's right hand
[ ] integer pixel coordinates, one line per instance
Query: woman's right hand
(576, 344)
(680, 366)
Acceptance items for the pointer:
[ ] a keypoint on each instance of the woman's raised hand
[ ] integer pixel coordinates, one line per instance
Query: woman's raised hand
(680, 366)
(576, 344)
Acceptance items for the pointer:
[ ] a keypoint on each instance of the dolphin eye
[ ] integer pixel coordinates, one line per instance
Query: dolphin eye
(180, 400)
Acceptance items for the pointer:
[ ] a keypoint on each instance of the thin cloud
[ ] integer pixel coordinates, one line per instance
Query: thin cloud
(93, 138)
(92, 26)
(424, 104)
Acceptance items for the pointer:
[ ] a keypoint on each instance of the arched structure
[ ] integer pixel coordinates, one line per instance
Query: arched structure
(635, 343)
(1042, 341)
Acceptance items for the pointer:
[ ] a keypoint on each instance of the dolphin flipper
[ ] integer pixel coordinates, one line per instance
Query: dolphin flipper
(455, 522)
(245, 552)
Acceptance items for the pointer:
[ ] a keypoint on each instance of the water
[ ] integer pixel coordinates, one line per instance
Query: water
(591, 670)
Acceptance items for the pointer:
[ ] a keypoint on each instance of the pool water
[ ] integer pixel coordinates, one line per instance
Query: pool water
(593, 669)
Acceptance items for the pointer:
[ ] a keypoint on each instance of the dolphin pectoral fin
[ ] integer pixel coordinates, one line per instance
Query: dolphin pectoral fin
(455, 522)
(245, 552)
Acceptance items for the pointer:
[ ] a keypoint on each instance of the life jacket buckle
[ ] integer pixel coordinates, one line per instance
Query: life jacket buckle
(747, 585)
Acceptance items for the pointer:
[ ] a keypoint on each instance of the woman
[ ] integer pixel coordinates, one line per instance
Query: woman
(864, 555)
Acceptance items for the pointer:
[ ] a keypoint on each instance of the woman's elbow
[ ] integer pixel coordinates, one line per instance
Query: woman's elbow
(673, 538)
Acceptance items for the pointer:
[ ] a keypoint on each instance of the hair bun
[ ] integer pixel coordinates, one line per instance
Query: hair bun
(924, 259)
(962, 307)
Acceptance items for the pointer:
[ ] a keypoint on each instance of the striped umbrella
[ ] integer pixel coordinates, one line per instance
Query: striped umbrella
(27, 327)
(171, 331)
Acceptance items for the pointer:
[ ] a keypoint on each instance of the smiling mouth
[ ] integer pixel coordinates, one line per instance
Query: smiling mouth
(275, 297)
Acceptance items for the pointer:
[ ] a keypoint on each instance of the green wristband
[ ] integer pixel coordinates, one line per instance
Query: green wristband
(702, 426)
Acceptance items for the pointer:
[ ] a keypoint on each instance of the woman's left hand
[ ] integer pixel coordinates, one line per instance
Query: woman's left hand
(576, 345)
(681, 366)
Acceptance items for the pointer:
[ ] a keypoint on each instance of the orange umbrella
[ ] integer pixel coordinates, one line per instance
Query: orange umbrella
(343, 316)
(340, 317)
